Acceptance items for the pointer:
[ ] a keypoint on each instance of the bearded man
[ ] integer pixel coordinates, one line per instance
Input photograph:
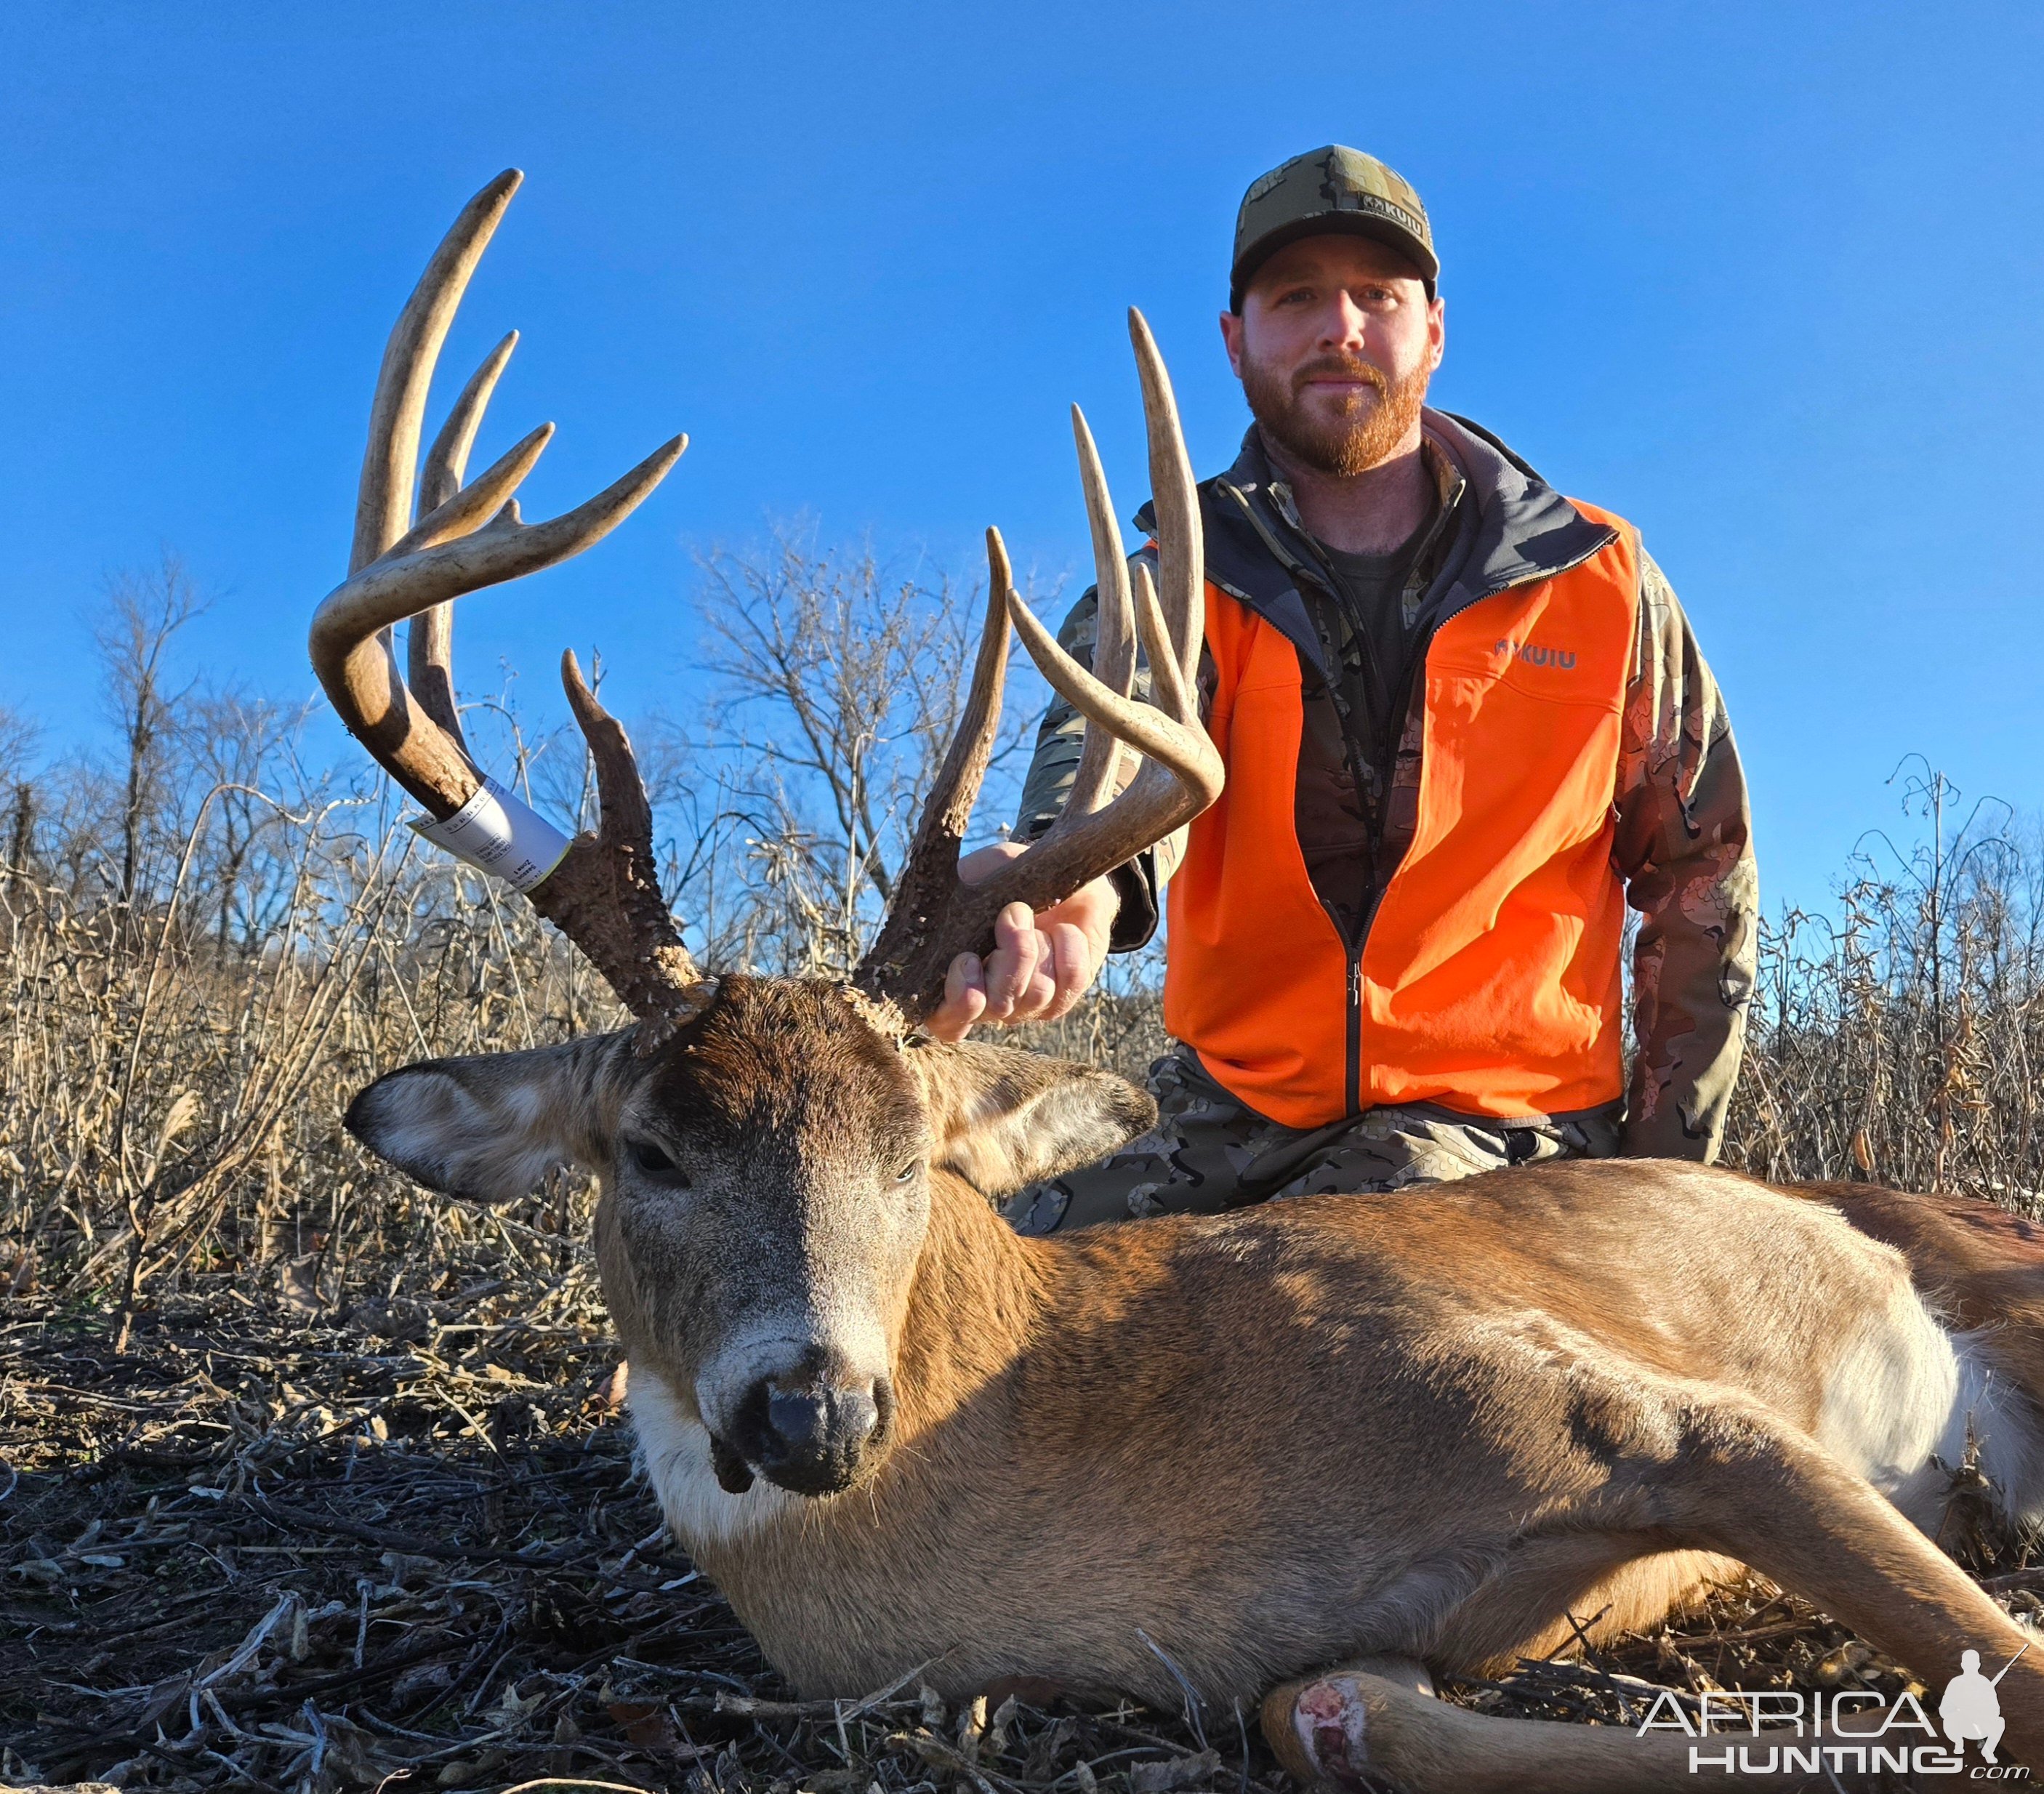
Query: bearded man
(1464, 723)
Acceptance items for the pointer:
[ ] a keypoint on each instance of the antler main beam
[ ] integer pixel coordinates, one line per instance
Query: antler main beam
(604, 894)
(935, 916)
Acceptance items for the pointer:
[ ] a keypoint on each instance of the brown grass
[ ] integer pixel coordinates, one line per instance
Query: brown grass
(311, 1479)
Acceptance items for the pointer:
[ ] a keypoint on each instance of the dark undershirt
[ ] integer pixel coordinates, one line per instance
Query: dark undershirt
(1373, 591)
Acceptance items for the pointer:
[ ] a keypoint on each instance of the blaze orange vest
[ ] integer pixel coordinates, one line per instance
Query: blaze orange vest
(1488, 980)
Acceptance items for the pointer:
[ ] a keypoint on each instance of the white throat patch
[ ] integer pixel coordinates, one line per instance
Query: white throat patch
(699, 1510)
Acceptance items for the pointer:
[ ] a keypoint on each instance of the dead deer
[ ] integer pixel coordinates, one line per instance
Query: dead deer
(1310, 1450)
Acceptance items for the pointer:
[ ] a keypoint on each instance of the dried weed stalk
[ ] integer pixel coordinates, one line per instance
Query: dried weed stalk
(310, 1479)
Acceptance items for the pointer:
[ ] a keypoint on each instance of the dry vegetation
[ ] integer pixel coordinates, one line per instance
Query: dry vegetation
(309, 1480)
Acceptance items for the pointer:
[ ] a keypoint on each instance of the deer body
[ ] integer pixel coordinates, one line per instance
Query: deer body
(1377, 1432)
(1289, 1436)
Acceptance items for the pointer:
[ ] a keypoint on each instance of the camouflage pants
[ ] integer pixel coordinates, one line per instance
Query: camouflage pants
(1210, 1152)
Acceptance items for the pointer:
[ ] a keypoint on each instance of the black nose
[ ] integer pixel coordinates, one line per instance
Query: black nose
(813, 1420)
(810, 1436)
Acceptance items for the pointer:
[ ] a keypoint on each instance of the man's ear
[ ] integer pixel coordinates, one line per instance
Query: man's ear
(1231, 336)
(491, 1127)
(1003, 1118)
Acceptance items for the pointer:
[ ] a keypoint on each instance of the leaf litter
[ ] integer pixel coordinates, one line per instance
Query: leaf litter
(273, 1545)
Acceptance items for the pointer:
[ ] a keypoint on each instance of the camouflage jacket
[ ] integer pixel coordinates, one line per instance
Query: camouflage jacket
(1682, 842)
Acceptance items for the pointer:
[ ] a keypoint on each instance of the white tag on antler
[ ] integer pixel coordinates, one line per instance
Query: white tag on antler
(500, 834)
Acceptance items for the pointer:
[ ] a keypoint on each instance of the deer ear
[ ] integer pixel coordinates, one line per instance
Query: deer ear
(1003, 1118)
(490, 1127)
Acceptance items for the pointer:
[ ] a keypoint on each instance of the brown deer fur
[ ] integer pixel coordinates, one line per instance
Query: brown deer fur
(1426, 1425)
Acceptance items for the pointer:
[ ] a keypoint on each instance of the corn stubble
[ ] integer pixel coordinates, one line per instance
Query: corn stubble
(310, 1478)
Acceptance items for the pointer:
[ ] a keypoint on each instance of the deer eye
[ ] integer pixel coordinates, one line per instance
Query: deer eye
(907, 1174)
(650, 1157)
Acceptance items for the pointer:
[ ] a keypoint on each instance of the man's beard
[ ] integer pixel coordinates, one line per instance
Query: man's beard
(1366, 432)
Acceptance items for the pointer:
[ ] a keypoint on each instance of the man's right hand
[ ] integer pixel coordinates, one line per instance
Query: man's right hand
(1041, 964)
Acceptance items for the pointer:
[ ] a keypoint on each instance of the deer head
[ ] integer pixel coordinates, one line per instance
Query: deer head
(768, 1148)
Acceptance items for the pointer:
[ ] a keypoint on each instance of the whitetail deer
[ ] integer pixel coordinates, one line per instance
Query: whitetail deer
(1306, 1450)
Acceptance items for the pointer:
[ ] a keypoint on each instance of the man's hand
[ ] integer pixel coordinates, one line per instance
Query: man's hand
(1040, 965)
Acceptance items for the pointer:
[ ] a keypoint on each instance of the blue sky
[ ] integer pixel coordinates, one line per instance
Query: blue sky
(1765, 279)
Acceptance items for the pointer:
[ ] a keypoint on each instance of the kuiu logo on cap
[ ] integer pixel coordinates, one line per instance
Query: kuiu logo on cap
(1354, 202)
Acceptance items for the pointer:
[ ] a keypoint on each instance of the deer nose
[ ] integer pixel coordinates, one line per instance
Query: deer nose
(810, 1436)
(806, 1420)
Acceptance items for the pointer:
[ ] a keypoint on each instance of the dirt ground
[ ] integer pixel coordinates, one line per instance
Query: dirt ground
(272, 1546)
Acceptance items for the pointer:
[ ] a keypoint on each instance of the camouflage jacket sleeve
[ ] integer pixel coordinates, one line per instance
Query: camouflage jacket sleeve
(1055, 765)
(1684, 850)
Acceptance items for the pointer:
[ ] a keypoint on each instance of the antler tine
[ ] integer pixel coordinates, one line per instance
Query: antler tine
(1181, 773)
(447, 461)
(1114, 655)
(605, 896)
(1167, 733)
(604, 892)
(399, 408)
(1181, 540)
(929, 878)
(1170, 689)
(964, 769)
(476, 503)
(355, 664)
(430, 641)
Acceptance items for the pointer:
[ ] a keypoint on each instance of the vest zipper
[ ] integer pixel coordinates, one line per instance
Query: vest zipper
(1352, 1087)
(1391, 730)
(1394, 732)
(1352, 943)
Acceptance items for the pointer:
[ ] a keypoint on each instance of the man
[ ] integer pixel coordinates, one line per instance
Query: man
(1971, 1708)
(1465, 722)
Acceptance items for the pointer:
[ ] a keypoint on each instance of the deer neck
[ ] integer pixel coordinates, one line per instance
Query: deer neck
(979, 1296)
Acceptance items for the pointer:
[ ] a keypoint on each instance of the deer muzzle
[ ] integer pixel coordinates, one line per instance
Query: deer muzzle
(803, 1400)
(810, 1433)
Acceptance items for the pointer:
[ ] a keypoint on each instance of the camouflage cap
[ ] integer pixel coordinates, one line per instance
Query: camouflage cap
(1333, 188)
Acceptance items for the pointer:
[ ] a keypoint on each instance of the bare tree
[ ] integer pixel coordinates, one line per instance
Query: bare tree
(19, 736)
(140, 614)
(838, 685)
(232, 739)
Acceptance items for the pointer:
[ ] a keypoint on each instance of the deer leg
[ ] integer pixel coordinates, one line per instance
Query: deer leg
(1375, 1725)
(1737, 1483)
(1546, 1592)
(1743, 1484)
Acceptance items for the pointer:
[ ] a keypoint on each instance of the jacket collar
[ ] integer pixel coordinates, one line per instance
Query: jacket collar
(1510, 527)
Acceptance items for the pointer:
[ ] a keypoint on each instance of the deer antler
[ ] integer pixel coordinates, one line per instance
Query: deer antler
(605, 893)
(935, 916)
